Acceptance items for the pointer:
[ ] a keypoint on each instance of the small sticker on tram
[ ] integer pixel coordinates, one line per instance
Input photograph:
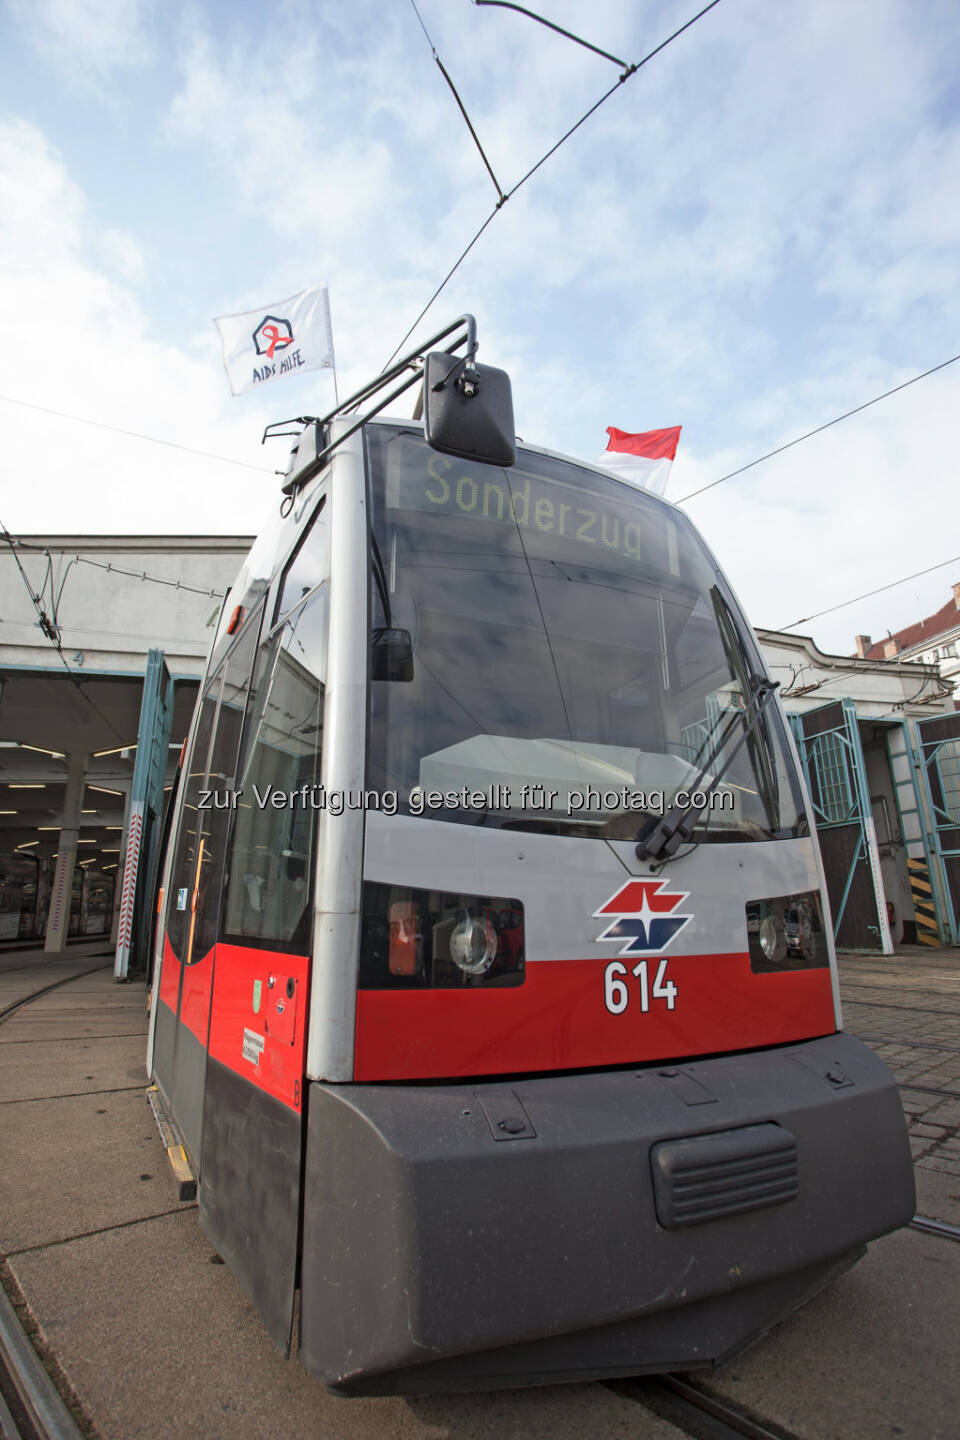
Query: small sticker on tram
(252, 1046)
(182, 898)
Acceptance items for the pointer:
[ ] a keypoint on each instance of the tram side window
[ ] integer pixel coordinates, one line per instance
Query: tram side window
(271, 856)
(183, 870)
(309, 566)
(195, 884)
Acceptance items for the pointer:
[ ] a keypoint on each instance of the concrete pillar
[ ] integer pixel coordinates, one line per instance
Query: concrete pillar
(58, 918)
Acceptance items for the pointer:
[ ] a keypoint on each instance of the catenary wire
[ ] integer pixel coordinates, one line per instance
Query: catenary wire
(153, 579)
(930, 677)
(508, 5)
(501, 198)
(423, 26)
(868, 593)
(631, 70)
(136, 435)
(462, 108)
(819, 429)
(443, 283)
(166, 640)
(49, 629)
(17, 544)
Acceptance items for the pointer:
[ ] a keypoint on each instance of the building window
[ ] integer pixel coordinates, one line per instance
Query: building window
(948, 765)
(831, 779)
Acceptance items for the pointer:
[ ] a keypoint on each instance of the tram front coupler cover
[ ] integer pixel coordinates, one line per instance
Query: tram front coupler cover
(443, 1249)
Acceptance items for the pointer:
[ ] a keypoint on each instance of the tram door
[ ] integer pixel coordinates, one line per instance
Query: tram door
(828, 739)
(262, 881)
(193, 898)
(940, 752)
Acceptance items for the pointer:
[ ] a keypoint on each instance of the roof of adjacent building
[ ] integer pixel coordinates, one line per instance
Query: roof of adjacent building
(921, 632)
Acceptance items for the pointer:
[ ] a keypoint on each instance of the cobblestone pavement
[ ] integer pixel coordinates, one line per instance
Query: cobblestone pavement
(907, 1007)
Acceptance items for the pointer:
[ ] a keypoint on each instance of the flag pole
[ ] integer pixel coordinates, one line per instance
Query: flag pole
(333, 358)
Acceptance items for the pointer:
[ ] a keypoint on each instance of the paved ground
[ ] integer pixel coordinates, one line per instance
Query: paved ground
(157, 1341)
(908, 1009)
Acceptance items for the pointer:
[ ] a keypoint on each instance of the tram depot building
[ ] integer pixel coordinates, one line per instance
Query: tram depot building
(102, 647)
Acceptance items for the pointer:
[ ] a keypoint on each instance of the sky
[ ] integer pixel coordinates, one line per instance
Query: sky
(757, 232)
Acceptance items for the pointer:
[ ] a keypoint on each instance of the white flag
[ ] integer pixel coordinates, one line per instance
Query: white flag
(278, 339)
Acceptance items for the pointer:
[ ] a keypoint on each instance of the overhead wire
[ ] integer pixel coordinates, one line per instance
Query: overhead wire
(508, 5)
(628, 72)
(868, 594)
(165, 641)
(52, 633)
(17, 544)
(804, 619)
(46, 623)
(137, 435)
(152, 579)
(505, 196)
(463, 109)
(930, 674)
(819, 430)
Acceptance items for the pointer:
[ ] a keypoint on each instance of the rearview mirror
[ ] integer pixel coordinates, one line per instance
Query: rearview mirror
(391, 655)
(468, 409)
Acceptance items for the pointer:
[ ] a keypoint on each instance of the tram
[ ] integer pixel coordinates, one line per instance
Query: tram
(495, 1003)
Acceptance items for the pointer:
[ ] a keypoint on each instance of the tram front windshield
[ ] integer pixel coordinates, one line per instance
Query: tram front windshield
(577, 668)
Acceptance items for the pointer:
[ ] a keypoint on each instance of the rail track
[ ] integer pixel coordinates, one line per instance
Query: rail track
(698, 1412)
(9, 1010)
(940, 1228)
(31, 1407)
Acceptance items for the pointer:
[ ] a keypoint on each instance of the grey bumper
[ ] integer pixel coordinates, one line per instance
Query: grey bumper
(590, 1224)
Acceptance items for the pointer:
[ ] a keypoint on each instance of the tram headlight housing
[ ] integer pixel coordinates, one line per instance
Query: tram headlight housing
(786, 932)
(430, 939)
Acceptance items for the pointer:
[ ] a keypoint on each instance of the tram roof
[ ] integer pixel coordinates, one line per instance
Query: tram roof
(532, 449)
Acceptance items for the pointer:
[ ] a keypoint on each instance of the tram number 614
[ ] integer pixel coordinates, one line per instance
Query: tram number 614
(616, 989)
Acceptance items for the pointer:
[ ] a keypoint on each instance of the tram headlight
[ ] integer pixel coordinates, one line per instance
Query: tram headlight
(769, 937)
(473, 943)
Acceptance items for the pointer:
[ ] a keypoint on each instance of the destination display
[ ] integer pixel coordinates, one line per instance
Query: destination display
(574, 509)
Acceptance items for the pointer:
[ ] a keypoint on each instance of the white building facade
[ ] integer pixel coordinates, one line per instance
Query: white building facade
(102, 646)
(83, 621)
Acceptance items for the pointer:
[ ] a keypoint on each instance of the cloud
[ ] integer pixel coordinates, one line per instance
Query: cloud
(868, 502)
(755, 233)
(80, 342)
(88, 39)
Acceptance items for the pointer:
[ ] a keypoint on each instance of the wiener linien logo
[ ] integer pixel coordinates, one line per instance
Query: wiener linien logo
(644, 916)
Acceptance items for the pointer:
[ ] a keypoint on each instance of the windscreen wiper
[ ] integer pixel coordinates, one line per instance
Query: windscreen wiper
(380, 576)
(663, 839)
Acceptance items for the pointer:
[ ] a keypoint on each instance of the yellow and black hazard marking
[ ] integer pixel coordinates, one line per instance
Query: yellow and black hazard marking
(179, 1163)
(921, 892)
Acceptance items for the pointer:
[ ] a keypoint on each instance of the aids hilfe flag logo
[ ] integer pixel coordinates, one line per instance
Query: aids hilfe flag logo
(272, 334)
(643, 459)
(277, 339)
(644, 915)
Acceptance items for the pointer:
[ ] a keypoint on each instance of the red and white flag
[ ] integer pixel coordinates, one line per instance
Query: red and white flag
(642, 459)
